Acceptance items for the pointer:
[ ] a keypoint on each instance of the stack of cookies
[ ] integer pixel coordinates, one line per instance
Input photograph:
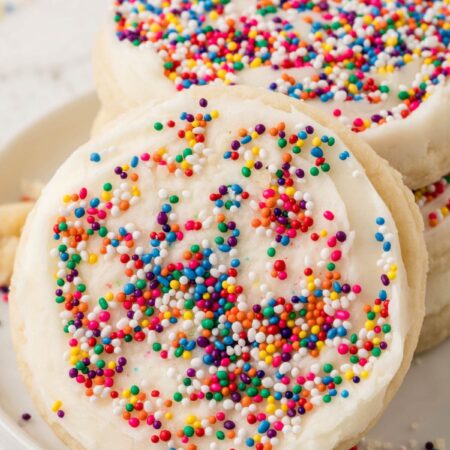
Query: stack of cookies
(237, 258)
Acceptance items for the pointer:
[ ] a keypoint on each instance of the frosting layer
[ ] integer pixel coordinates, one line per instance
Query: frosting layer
(223, 275)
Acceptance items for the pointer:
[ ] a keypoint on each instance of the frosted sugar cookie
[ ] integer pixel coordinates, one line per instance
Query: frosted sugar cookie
(226, 269)
(434, 203)
(381, 67)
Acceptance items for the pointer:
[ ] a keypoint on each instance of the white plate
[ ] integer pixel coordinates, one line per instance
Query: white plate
(420, 412)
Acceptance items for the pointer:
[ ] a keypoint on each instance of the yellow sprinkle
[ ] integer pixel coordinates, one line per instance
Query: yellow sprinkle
(271, 348)
(93, 258)
(191, 419)
(126, 393)
(106, 196)
(57, 405)
(316, 141)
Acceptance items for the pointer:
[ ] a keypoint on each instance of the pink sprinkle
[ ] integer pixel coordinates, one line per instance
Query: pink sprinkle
(83, 193)
(356, 288)
(328, 215)
(277, 361)
(278, 425)
(282, 275)
(342, 314)
(343, 349)
(332, 241)
(268, 193)
(337, 112)
(336, 255)
(104, 316)
(93, 325)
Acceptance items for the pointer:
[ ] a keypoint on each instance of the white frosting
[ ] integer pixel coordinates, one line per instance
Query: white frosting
(130, 75)
(345, 190)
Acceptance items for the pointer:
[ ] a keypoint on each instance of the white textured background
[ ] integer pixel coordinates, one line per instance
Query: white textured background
(45, 56)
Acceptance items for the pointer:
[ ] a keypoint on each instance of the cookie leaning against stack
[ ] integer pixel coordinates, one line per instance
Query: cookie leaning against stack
(382, 70)
(235, 270)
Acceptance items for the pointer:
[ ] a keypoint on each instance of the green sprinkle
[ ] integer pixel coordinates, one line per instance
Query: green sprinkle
(220, 435)
(208, 324)
(246, 172)
(314, 171)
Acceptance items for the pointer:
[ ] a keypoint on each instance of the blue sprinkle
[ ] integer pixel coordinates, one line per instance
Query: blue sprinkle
(79, 212)
(344, 155)
(380, 221)
(379, 237)
(317, 152)
(134, 161)
(345, 393)
(95, 157)
(263, 426)
(128, 289)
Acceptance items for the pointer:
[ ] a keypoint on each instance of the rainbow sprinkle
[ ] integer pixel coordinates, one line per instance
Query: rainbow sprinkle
(241, 360)
(352, 48)
(431, 193)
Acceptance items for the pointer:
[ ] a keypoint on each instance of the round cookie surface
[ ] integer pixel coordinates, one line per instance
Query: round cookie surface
(434, 203)
(381, 68)
(219, 270)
